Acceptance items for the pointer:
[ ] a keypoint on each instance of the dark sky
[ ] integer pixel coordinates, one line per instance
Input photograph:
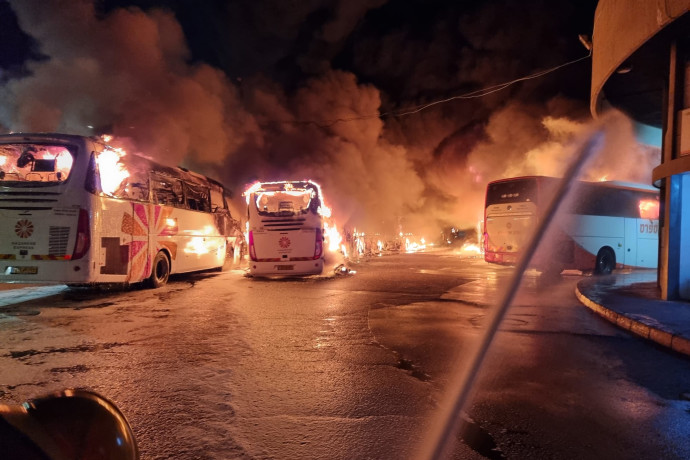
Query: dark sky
(249, 89)
(414, 50)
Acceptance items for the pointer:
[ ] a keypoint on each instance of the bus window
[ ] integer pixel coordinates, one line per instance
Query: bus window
(37, 164)
(217, 201)
(167, 192)
(122, 176)
(197, 197)
(649, 208)
(284, 202)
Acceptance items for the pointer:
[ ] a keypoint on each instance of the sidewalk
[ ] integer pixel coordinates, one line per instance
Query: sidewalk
(631, 301)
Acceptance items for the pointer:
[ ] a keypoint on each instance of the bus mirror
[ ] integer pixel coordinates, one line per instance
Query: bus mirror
(68, 424)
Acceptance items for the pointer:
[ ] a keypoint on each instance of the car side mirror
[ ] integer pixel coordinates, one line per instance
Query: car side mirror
(70, 424)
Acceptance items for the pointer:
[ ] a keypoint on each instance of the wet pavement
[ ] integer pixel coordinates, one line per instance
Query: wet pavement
(632, 301)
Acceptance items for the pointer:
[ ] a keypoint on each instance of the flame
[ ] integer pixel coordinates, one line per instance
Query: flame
(324, 210)
(200, 245)
(251, 189)
(63, 161)
(471, 248)
(197, 245)
(649, 209)
(413, 246)
(112, 171)
(3, 160)
(333, 237)
(604, 178)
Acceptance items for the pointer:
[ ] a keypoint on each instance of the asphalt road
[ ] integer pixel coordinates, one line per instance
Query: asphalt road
(224, 366)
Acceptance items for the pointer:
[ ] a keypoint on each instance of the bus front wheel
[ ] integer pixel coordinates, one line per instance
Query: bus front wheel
(161, 270)
(606, 261)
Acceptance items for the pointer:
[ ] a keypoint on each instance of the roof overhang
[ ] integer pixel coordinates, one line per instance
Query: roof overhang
(630, 55)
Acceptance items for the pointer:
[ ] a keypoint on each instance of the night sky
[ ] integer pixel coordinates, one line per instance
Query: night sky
(327, 90)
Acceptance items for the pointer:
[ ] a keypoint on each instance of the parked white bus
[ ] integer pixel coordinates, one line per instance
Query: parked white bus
(604, 225)
(285, 228)
(74, 210)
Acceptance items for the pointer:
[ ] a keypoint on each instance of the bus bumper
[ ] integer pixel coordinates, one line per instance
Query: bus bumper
(287, 268)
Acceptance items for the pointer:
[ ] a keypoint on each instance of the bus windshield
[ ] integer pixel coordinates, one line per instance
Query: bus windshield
(519, 190)
(289, 200)
(35, 164)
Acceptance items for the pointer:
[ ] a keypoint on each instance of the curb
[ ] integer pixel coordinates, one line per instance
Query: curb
(664, 338)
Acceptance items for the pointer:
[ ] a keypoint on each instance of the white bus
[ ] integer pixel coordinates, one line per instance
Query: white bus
(285, 228)
(75, 211)
(605, 225)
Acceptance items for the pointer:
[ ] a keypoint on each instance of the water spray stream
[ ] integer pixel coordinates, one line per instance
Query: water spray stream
(444, 433)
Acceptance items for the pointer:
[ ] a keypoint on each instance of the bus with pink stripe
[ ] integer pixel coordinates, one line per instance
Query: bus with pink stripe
(75, 210)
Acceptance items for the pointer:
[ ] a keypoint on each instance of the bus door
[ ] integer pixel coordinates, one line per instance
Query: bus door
(647, 231)
(168, 199)
(630, 242)
(123, 227)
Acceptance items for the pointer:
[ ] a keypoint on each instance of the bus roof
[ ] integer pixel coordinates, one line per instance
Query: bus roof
(611, 184)
(174, 171)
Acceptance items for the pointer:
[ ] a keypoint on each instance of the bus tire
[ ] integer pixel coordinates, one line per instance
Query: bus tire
(160, 271)
(606, 261)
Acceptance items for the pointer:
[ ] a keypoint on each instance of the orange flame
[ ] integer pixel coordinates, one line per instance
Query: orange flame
(649, 209)
(112, 171)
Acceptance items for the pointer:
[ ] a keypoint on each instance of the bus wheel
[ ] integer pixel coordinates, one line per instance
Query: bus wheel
(606, 261)
(161, 270)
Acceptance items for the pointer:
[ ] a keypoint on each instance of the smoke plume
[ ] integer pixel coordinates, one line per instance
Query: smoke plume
(290, 113)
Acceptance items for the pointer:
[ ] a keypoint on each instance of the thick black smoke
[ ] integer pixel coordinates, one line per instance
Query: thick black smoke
(248, 90)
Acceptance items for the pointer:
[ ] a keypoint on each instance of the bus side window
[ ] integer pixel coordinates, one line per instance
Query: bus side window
(217, 201)
(197, 197)
(139, 191)
(165, 192)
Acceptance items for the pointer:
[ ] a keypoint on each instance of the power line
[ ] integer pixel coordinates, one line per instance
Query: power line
(471, 95)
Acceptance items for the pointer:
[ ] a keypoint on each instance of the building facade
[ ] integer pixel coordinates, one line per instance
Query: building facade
(641, 65)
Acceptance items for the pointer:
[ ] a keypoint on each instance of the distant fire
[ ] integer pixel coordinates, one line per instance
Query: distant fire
(414, 246)
(471, 248)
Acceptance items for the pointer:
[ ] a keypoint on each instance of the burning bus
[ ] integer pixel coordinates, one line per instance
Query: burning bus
(75, 210)
(286, 228)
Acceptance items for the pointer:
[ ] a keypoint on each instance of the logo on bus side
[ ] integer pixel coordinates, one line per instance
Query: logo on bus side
(24, 228)
(284, 242)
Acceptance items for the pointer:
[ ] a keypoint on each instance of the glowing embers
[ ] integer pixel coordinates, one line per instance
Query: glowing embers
(649, 209)
(113, 172)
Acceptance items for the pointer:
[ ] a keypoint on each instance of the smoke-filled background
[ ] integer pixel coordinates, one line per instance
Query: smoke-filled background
(251, 90)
